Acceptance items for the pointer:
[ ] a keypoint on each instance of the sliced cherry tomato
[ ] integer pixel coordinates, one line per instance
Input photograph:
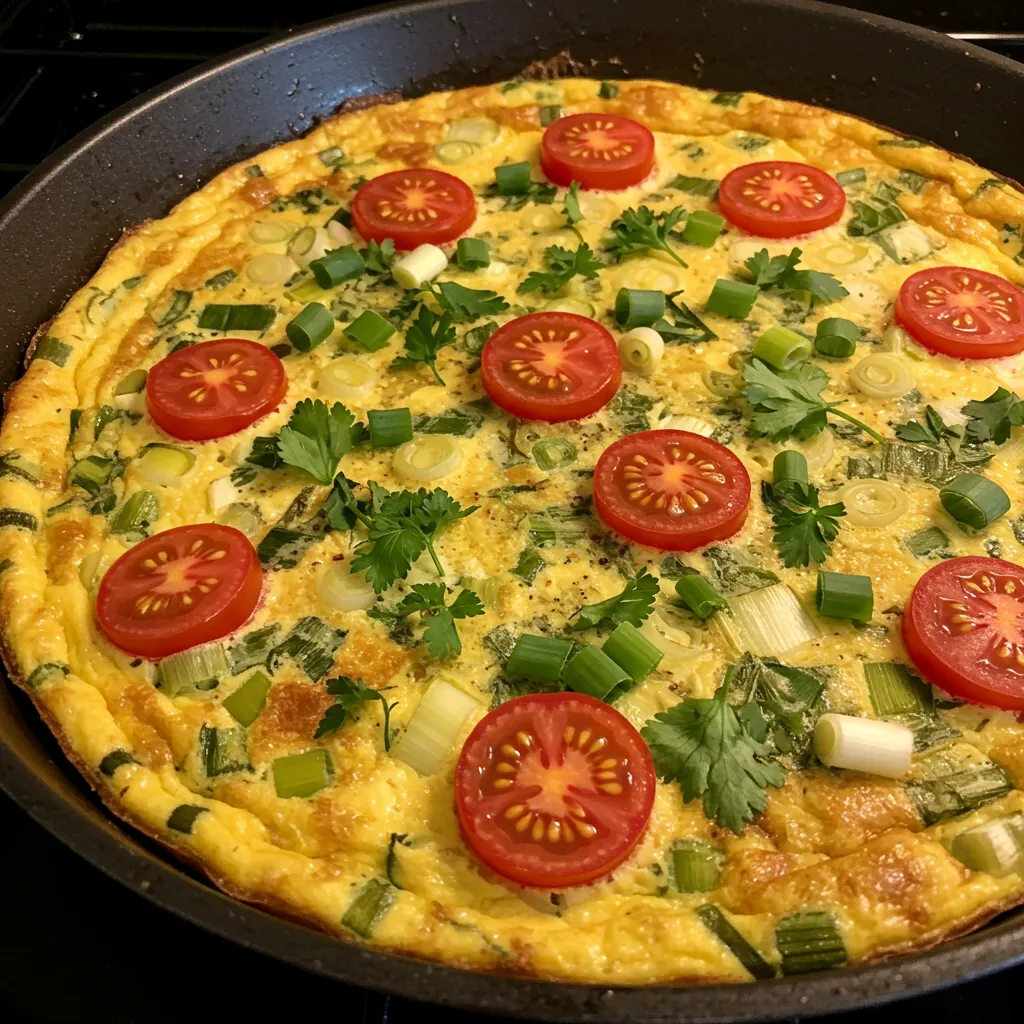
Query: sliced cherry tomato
(780, 198)
(551, 366)
(179, 588)
(961, 312)
(963, 628)
(214, 388)
(671, 489)
(597, 150)
(554, 789)
(414, 207)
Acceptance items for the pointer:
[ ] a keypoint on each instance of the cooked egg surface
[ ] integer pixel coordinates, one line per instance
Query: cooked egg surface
(856, 846)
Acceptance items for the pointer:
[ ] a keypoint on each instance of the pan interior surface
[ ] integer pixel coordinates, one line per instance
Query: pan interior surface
(139, 162)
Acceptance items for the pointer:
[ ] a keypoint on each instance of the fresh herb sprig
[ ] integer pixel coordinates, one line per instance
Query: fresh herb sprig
(317, 437)
(642, 230)
(963, 444)
(931, 429)
(992, 418)
(571, 209)
(441, 635)
(804, 529)
(563, 265)
(780, 272)
(464, 304)
(378, 257)
(632, 604)
(349, 694)
(789, 402)
(424, 339)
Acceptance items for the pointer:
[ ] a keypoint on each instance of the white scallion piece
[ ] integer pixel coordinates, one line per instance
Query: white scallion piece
(345, 590)
(418, 267)
(873, 502)
(308, 245)
(427, 457)
(131, 403)
(641, 350)
(221, 493)
(895, 339)
(480, 131)
(882, 375)
(767, 622)
(339, 234)
(997, 847)
(269, 232)
(694, 424)
(270, 270)
(864, 745)
(347, 378)
(434, 727)
(164, 465)
(87, 569)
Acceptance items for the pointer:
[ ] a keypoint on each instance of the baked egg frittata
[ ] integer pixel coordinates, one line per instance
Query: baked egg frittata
(565, 528)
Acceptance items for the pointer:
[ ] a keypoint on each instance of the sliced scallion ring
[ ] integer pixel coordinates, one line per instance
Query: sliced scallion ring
(722, 384)
(873, 502)
(782, 348)
(164, 464)
(270, 270)
(864, 745)
(693, 424)
(641, 350)
(347, 378)
(570, 306)
(539, 657)
(882, 375)
(245, 518)
(423, 264)
(310, 244)
(480, 131)
(648, 274)
(842, 595)
(428, 457)
(454, 151)
(339, 234)
(344, 590)
(974, 501)
(270, 232)
(638, 307)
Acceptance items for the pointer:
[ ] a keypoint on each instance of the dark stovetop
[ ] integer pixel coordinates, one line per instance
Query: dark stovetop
(78, 948)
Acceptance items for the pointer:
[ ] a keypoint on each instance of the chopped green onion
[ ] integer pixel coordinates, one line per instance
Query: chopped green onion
(131, 384)
(631, 650)
(370, 905)
(928, 541)
(864, 745)
(894, 691)
(513, 179)
(246, 703)
(552, 453)
(311, 643)
(137, 514)
(114, 760)
(782, 348)
(389, 427)
(767, 622)
(950, 791)
(337, 265)
(164, 464)
(197, 669)
(699, 596)
(719, 925)
(221, 317)
(842, 595)
(312, 326)
(733, 299)
(608, 91)
(253, 649)
(549, 114)
(696, 866)
(530, 563)
(703, 228)
(788, 468)
(836, 338)
(53, 350)
(455, 151)
(332, 157)
(594, 673)
(370, 330)
(223, 751)
(852, 177)
(183, 817)
(996, 847)
(809, 941)
(539, 657)
(974, 501)
(91, 473)
(728, 99)
(301, 775)
(472, 253)
(434, 727)
(638, 307)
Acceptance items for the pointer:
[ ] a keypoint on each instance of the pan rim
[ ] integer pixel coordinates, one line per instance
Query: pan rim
(114, 850)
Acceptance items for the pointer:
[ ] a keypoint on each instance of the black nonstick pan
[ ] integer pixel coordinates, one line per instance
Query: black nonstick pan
(56, 226)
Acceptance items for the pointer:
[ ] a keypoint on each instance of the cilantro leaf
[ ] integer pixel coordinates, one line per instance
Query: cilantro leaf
(681, 325)
(379, 257)
(424, 339)
(468, 303)
(633, 604)
(440, 636)
(991, 418)
(401, 526)
(804, 530)
(780, 272)
(348, 694)
(563, 265)
(710, 751)
(641, 230)
(317, 437)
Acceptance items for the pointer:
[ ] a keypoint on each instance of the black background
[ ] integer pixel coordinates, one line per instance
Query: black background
(76, 947)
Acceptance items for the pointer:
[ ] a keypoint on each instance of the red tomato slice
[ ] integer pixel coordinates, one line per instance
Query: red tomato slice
(180, 588)
(413, 207)
(780, 198)
(671, 489)
(214, 388)
(551, 366)
(554, 789)
(963, 628)
(961, 312)
(597, 150)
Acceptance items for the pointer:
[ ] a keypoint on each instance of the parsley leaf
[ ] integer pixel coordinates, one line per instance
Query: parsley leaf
(348, 694)
(780, 272)
(317, 437)
(713, 753)
(440, 636)
(425, 338)
(992, 417)
(931, 431)
(401, 525)
(680, 324)
(468, 303)
(789, 402)
(563, 265)
(632, 605)
(641, 230)
(379, 257)
(804, 530)
(571, 208)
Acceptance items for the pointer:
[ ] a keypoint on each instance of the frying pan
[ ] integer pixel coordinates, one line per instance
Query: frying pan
(137, 162)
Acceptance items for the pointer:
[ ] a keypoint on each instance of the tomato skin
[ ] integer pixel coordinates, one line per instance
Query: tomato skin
(713, 500)
(392, 206)
(158, 632)
(565, 156)
(615, 816)
(550, 344)
(926, 303)
(964, 657)
(171, 386)
(767, 198)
